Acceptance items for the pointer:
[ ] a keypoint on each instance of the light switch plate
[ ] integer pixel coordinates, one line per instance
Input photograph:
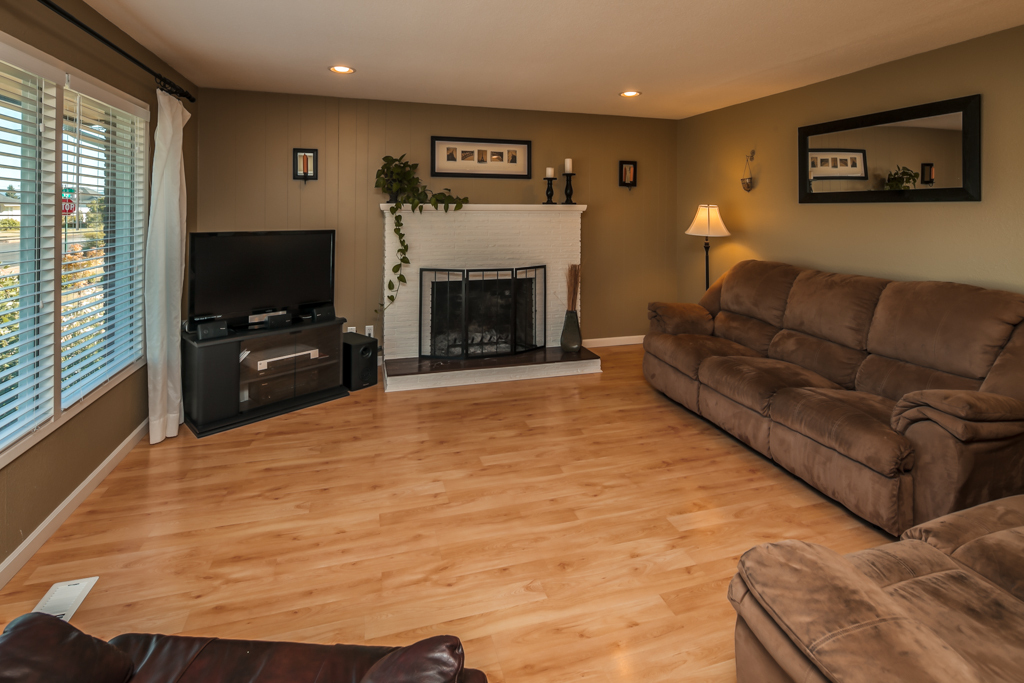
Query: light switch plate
(351, 329)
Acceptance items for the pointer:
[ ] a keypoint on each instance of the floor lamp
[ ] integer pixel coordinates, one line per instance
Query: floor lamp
(707, 223)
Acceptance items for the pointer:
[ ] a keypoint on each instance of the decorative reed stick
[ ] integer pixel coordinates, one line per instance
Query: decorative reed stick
(572, 284)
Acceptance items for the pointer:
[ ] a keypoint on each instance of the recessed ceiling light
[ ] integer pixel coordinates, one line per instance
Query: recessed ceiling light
(630, 93)
(343, 69)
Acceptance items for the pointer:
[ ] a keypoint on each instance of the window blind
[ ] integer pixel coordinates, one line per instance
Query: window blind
(28, 133)
(102, 244)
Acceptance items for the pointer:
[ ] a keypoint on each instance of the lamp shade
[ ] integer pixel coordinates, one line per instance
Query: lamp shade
(708, 222)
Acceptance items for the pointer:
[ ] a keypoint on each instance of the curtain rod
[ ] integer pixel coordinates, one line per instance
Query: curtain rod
(162, 81)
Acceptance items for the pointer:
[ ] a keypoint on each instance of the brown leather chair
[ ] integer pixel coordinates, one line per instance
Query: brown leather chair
(38, 648)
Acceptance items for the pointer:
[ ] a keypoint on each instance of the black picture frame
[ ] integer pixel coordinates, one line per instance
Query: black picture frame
(969, 107)
(483, 172)
(841, 152)
(622, 174)
(296, 175)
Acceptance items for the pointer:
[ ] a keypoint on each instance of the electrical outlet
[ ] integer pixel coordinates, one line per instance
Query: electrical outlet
(351, 329)
(369, 331)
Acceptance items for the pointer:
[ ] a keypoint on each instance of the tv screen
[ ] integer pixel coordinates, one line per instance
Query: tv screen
(233, 275)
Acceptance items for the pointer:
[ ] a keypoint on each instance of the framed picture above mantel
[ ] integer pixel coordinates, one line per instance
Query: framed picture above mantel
(480, 157)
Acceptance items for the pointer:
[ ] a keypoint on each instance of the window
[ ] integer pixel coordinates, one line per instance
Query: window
(27, 208)
(102, 244)
(72, 220)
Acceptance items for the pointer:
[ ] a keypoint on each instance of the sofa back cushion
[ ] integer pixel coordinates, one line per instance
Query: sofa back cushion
(826, 323)
(1007, 374)
(945, 326)
(753, 302)
(894, 378)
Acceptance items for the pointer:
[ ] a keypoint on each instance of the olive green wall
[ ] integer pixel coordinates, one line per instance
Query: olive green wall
(245, 144)
(34, 484)
(980, 243)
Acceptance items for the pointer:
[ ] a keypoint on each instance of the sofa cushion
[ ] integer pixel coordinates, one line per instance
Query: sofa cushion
(894, 563)
(950, 532)
(833, 306)
(685, 352)
(853, 423)
(39, 648)
(980, 621)
(759, 289)
(750, 332)
(834, 361)
(1007, 374)
(988, 538)
(752, 382)
(945, 326)
(894, 379)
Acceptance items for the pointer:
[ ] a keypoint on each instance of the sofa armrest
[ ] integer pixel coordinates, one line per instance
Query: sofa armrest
(842, 620)
(968, 415)
(679, 319)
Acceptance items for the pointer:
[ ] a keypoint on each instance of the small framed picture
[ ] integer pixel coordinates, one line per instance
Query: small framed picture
(627, 174)
(472, 157)
(304, 164)
(838, 164)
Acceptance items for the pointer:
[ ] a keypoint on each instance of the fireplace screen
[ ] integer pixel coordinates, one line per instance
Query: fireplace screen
(478, 313)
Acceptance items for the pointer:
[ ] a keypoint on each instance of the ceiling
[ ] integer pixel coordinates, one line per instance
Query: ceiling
(685, 56)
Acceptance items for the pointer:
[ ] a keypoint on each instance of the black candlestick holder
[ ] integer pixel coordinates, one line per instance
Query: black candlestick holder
(568, 188)
(550, 192)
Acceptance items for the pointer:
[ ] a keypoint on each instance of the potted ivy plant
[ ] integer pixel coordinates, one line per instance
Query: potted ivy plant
(901, 179)
(398, 180)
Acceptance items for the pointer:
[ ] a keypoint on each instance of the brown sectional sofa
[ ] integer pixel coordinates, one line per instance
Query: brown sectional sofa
(903, 401)
(946, 603)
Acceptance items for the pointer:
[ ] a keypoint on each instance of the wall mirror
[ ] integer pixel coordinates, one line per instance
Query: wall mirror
(927, 153)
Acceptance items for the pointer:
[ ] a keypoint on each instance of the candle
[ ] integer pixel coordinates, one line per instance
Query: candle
(549, 172)
(568, 165)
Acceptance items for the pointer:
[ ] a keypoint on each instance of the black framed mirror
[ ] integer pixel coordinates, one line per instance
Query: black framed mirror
(927, 153)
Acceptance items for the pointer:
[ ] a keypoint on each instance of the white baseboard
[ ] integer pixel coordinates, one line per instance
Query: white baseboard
(613, 341)
(16, 560)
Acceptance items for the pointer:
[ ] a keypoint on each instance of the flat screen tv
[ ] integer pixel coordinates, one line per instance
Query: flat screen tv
(234, 275)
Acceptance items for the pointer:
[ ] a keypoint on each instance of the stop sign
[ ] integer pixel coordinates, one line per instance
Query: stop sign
(67, 206)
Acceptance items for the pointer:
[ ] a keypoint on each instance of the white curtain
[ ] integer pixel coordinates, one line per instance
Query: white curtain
(165, 266)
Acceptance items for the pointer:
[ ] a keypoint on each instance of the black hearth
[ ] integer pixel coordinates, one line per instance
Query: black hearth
(478, 313)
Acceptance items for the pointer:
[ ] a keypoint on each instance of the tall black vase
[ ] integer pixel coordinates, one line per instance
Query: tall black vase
(571, 339)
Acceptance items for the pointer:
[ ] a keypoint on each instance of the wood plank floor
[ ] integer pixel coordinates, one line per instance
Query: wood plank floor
(570, 529)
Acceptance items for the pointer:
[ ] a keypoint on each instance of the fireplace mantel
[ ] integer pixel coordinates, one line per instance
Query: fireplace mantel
(478, 236)
(543, 208)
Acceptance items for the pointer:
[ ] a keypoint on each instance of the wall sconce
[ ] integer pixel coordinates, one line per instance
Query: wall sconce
(927, 174)
(747, 181)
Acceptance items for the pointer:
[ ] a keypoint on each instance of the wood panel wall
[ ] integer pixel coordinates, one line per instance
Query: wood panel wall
(245, 183)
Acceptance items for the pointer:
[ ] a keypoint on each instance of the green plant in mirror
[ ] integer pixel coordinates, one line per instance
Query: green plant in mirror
(901, 179)
(397, 178)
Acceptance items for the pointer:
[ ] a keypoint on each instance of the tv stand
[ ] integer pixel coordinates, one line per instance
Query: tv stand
(254, 374)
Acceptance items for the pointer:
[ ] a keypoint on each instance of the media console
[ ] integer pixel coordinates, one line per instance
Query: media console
(255, 374)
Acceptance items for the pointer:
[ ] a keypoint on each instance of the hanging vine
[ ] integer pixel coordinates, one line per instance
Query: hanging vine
(397, 178)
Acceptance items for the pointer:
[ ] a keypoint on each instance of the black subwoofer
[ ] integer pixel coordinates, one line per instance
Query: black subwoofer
(359, 361)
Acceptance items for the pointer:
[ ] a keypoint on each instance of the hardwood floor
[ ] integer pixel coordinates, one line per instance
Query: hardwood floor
(568, 529)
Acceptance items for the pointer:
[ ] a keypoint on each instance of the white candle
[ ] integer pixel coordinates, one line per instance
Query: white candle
(549, 172)
(568, 165)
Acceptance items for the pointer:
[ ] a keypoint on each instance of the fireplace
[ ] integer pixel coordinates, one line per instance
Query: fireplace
(477, 313)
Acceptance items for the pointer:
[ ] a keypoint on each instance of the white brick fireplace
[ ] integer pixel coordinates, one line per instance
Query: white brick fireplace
(480, 236)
